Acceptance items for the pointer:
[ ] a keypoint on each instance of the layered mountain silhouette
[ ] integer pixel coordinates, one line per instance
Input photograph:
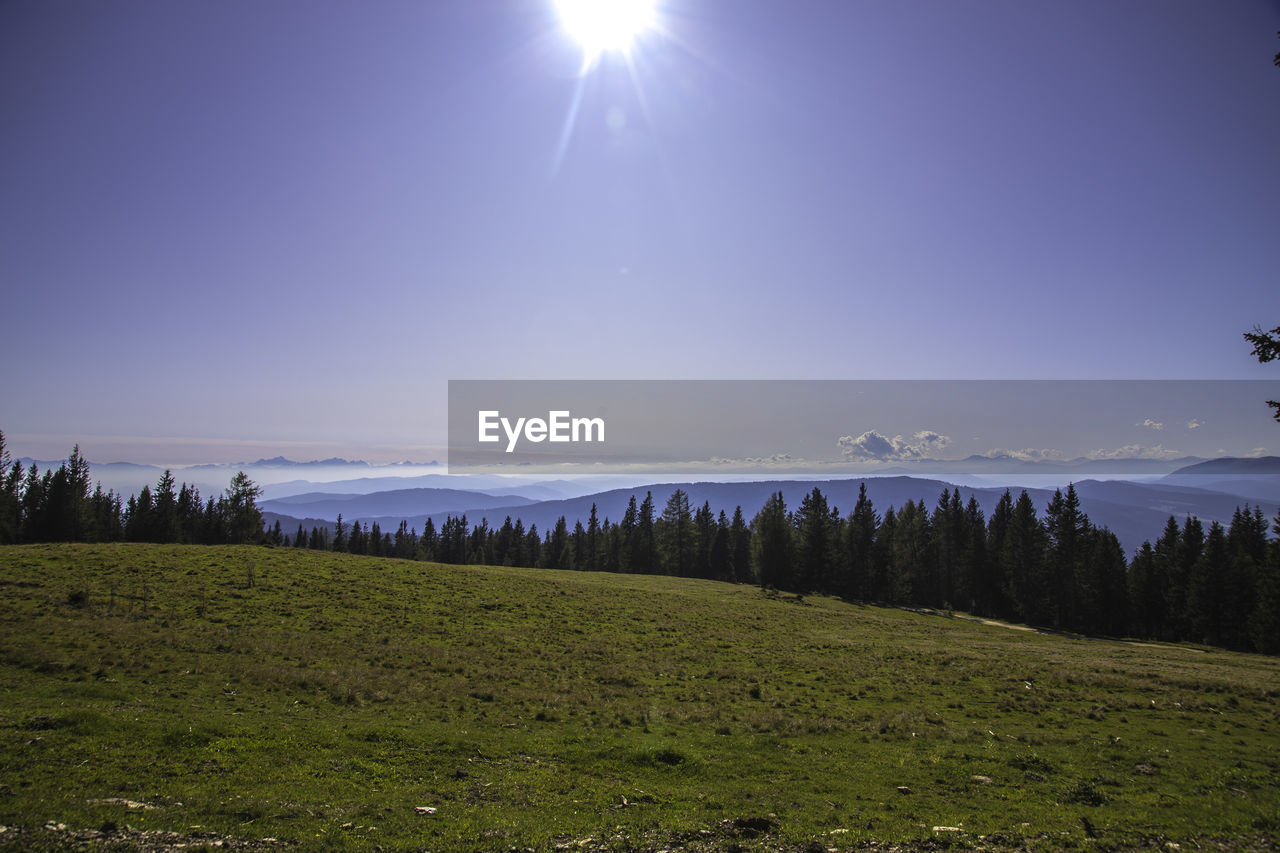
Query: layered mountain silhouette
(1134, 511)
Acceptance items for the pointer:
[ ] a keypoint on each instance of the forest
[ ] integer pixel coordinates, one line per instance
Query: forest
(1054, 570)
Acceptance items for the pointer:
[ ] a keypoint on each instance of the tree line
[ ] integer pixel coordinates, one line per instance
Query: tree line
(1219, 586)
(1058, 570)
(58, 506)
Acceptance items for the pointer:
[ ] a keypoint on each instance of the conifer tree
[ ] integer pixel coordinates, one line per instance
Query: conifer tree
(592, 546)
(721, 559)
(704, 524)
(1023, 561)
(1206, 598)
(429, 542)
(816, 544)
(1067, 528)
(339, 535)
(627, 536)
(166, 524)
(1191, 543)
(909, 572)
(1264, 621)
(675, 535)
(1145, 595)
(859, 546)
(244, 519)
(772, 556)
(644, 556)
(559, 554)
(10, 496)
(740, 548)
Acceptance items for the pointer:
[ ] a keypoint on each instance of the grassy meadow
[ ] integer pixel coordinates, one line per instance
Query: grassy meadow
(256, 697)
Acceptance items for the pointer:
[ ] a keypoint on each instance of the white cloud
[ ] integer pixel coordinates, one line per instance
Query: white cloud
(775, 459)
(1026, 454)
(1150, 424)
(872, 445)
(1258, 451)
(1135, 451)
(1195, 423)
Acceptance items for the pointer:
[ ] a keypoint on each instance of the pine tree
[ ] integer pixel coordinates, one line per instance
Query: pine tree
(166, 525)
(991, 584)
(189, 514)
(1023, 561)
(627, 535)
(1206, 598)
(1264, 621)
(816, 544)
(1145, 595)
(593, 545)
(949, 585)
(339, 535)
(1191, 543)
(429, 542)
(973, 555)
(76, 525)
(721, 559)
(909, 575)
(740, 548)
(771, 547)
(244, 519)
(882, 558)
(860, 540)
(1108, 610)
(10, 496)
(533, 547)
(477, 548)
(1246, 556)
(1067, 527)
(519, 546)
(674, 533)
(140, 524)
(559, 555)
(1164, 599)
(579, 547)
(503, 547)
(704, 524)
(644, 556)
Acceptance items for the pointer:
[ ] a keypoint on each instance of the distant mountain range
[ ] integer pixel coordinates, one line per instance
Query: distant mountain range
(1257, 478)
(332, 462)
(393, 502)
(1209, 489)
(1003, 463)
(1134, 511)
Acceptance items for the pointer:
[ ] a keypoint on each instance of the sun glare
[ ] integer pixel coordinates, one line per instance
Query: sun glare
(600, 26)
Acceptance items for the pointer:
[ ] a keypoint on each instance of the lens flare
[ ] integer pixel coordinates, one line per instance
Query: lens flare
(600, 26)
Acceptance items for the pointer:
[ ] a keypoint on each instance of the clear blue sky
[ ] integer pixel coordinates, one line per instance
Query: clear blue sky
(282, 226)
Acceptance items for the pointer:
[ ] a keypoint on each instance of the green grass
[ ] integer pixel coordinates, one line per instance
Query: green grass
(319, 699)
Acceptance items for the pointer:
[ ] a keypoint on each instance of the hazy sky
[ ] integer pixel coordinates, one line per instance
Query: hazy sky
(248, 228)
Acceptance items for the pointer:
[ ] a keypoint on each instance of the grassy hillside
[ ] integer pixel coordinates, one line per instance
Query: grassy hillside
(325, 700)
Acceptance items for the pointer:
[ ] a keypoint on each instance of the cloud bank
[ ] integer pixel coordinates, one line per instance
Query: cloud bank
(871, 445)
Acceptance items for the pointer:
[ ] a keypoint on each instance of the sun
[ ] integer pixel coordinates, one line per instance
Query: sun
(602, 26)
